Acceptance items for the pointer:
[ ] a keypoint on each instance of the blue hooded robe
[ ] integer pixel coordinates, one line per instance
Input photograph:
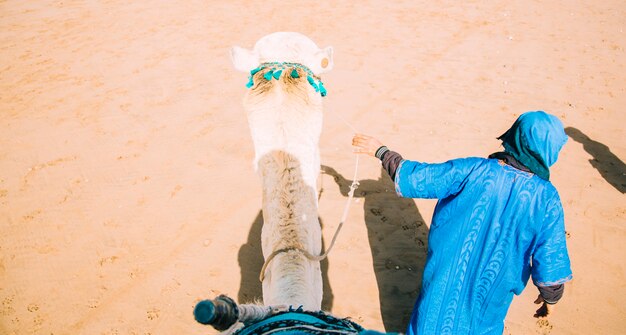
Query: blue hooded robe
(494, 226)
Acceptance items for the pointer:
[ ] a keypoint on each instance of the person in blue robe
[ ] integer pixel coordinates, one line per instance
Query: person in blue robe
(497, 223)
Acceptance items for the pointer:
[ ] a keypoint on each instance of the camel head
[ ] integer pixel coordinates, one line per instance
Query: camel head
(284, 47)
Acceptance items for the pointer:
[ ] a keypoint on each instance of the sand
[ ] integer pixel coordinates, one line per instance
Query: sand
(127, 192)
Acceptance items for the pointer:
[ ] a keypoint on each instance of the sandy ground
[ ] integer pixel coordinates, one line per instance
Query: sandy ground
(127, 192)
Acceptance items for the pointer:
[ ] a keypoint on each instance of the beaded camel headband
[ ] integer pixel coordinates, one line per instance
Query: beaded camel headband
(276, 70)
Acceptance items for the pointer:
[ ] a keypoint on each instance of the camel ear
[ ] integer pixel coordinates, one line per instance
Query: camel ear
(244, 59)
(324, 60)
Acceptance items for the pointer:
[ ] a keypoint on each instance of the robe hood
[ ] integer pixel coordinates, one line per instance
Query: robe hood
(535, 140)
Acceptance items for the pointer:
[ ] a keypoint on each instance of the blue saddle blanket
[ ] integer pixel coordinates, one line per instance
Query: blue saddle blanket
(303, 323)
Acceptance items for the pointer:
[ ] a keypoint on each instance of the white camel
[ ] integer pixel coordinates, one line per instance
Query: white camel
(284, 109)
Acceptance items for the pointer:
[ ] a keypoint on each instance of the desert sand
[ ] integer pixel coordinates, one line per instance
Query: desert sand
(127, 192)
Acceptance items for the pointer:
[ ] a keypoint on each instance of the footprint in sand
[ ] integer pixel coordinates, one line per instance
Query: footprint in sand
(544, 326)
(108, 260)
(153, 314)
(376, 211)
(93, 303)
(30, 216)
(7, 308)
(419, 241)
(32, 308)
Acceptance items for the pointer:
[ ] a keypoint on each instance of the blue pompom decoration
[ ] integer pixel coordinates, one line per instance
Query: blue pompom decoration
(294, 73)
(268, 75)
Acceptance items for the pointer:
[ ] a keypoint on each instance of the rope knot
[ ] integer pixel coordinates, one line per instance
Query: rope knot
(355, 184)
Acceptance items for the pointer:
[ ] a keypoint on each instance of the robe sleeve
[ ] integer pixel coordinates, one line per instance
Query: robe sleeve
(391, 161)
(551, 294)
(433, 181)
(550, 260)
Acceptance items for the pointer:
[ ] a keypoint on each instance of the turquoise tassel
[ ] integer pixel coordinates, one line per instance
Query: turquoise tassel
(294, 73)
(268, 75)
(312, 82)
(277, 74)
(322, 89)
(252, 73)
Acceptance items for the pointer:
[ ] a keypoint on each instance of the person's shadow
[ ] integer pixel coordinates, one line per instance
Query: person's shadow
(251, 260)
(612, 169)
(398, 239)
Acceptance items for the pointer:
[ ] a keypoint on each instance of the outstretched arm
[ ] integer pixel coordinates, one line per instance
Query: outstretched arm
(414, 179)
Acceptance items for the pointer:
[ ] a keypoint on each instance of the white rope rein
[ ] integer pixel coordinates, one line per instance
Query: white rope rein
(344, 216)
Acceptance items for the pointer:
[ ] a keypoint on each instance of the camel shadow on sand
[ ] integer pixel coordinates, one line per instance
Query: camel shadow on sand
(612, 169)
(250, 259)
(398, 239)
